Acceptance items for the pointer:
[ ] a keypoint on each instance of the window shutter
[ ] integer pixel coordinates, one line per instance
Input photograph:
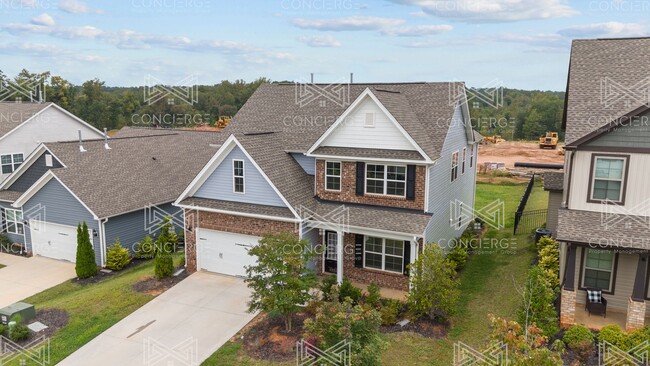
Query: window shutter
(358, 251)
(410, 182)
(361, 172)
(407, 256)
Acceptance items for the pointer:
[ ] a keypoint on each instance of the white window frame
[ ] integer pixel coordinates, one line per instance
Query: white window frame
(15, 221)
(471, 156)
(49, 161)
(383, 254)
(234, 177)
(340, 176)
(13, 162)
(611, 270)
(331, 242)
(622, 180)
(454, 165)
(462, 166)
(385, 180)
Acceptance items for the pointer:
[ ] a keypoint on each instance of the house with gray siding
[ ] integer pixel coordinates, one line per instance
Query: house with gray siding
(122, 188)
(368, 190)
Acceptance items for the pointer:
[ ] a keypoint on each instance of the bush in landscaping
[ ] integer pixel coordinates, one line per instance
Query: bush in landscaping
(164, 263)
(326, 287)
(549, 260)
(526, 346)
(145, 249)
(613, 334)
(458, 256)
(537, 304)
(390, 311)
(280, 280)
(337, 321)
(3, 330)
(117, 257)
(434, 288)
(348, 290)
(85, 261)
(18, 332)
(374, 296)
(639, 336)
(5, 243)
(577, 334)
(558, 346)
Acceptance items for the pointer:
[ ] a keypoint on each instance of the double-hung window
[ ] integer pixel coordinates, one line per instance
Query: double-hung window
(14, 221)
(598, 269)
(10, 162)
(333, 176)
(454, 166)
(608, 178)
(462, 163)
(384, 254)
(238, 176)
(471, 156)
(388, 180)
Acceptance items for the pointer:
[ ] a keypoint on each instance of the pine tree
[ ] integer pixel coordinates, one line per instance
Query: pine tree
(85, 265)
(164, 263)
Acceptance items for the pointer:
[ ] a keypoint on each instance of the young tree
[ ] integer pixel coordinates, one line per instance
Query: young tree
(85, 263)
(280, 279)
(164, 263)
(538, 303)
(434, 287)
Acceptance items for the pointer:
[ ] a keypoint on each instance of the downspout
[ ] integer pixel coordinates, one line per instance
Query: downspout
(102, 241)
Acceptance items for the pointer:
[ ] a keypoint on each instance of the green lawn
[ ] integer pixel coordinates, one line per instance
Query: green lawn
(488, 285)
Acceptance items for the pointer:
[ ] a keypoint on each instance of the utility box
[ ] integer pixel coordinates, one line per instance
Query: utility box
(25, 310)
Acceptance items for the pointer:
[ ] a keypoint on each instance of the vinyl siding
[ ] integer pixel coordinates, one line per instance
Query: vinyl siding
(307, 163)
(219, 185)
(635, 133)
(554, 202)
(58, 206)
(16, 238)
(442, 191)
(353, 133)
(33, 173)
(132, 227)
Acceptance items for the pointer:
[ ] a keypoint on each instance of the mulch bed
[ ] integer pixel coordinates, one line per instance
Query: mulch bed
(423, 327)
(264, 338)
(155, 287)
(55, 319)
(102, 276)
(569, 358)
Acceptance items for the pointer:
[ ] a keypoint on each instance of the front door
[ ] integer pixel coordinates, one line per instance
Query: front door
(330, 251)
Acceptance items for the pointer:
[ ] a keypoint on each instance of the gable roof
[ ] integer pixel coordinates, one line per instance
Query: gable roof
(608, 79)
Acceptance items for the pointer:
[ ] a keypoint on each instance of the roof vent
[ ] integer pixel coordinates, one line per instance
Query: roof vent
(106, 140)
(81, 146)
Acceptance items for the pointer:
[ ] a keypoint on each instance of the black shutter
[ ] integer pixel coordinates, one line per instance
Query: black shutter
(407, 256)
(410, 182)
(361, 172)
(358, 251)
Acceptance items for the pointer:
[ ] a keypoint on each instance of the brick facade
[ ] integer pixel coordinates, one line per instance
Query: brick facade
(567, 308)
(635, 314)
(349, 184)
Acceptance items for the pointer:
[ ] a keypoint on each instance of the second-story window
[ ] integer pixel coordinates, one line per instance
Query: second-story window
(471, 156)
(386, 179)
(454, 166)
(333, 176)
(608, 178)
(462, 163)
(10, 162)
(238, 176)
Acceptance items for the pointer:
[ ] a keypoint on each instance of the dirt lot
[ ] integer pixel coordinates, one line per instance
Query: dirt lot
(511, 151)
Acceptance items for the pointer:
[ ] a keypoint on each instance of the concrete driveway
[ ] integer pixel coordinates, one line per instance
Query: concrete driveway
(23, 277)
(182, 326)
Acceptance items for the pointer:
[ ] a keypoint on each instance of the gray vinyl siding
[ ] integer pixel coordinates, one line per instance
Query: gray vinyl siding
(307, 163)
(635, 133)
(58, 206)
(257, 190)
(442, 191)
(34, 173)
(314, 238)
(554, 202)
(132, 227)
(16, 238)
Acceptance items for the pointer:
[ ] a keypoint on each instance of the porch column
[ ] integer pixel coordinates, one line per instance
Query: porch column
(339, 257)
(636, 304)
(568, 292)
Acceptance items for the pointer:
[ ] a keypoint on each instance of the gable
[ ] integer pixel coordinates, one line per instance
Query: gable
(352, 132)
(33, 173)
(219, 184)
(633, 133)
(60, 206)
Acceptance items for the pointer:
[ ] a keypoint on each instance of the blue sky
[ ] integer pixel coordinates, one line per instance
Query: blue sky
(520, 43)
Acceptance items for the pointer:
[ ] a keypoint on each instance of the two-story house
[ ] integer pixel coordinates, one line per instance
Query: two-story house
(604, 217)
(368, 181)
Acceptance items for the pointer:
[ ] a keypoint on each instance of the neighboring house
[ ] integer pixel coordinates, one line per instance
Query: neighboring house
(553, 182)
(23, 126)
(368, 182)
(604, 214)
(122, 188)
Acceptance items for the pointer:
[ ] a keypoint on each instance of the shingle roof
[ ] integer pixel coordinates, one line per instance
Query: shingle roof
(9, 196)
(238, 207)
(13, 114)
(607, 79)
(553, 181)
(135, 172)
(129, 131)
(368, 153)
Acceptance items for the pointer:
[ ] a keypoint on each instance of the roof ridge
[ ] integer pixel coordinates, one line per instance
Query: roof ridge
(110, 139)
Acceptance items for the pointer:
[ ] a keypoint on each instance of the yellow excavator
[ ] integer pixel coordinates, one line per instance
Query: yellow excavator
(549, 140)
(493, 139)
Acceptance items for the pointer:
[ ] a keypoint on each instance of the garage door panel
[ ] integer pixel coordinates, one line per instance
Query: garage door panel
(224, 252)
(54, 240)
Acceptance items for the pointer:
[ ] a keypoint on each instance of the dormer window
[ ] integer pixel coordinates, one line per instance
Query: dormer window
(238, 176)
(370, 120)
(608, 178)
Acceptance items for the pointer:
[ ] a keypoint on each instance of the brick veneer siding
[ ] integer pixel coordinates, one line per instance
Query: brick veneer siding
(229, 223)
(567, 308)
(635, 315)
(349, 186)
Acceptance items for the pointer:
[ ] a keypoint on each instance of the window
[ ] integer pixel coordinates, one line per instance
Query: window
(48, 160)
(10, 162)
(333, 176)
(14, 221)
(462, 164)
(598, 269)
(608, 178)
(471, 156)
(454, 166)
(238, 176)
(384, 254)
(332, 239)
(370, 120)
(386, 179)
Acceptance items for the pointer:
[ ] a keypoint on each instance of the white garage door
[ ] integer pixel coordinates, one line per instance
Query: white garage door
(54, 240)
(223, 252)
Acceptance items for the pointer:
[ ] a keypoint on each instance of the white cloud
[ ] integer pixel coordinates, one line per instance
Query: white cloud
(44, 19)
(354, 23)
(76, 7)
(46, 51)
(609, 29)
(418, 30)
(485, 11)
(320, 41)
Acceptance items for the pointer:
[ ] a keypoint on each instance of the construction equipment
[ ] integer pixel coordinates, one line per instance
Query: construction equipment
(493, 139)
(549, 140)
(223, 121)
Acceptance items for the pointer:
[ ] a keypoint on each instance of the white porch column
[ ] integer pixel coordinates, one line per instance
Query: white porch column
(339, 257)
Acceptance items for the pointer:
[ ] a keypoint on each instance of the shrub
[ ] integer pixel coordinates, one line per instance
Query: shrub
(434, 288)
(85, 266)
(3, 330)
(348, 290)
(640, 335)
(558, 346)
(538, 303)
(145, 249)
(18, 332)
(390, 311)
(374, 296)
(458, 256)
(326, 286)
(549, 260)
(164, 263)
(526, 346)
(576, 334)
(117, 257)
(5, 243)
(613, 334)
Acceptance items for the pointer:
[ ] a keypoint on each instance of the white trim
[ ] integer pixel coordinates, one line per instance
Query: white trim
(383, 254)
(237, 213)
(426, 188)
(31, 158)
(359, 158)
(102, 241)
(13, 163)
(453, 178)
(369, 231)
(243, 176)
(385, 180)
(340, 176)
(14, 221)
(344, 115)
(463, 164)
